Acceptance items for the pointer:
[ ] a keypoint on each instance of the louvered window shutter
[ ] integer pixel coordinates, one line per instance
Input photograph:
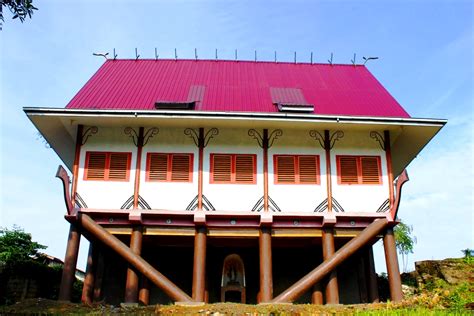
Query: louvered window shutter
(244, 169)
(157, 167)
(285, 169)
(370, 170)
(96, 164)
(118, 168)
(222, 168)
(180, 168)
(308, 169)
(348, 170)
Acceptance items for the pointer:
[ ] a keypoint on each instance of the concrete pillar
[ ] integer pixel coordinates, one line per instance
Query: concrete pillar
(70, 262)
(394, 280)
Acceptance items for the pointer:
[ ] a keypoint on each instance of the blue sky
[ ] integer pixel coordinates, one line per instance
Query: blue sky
(426, 63)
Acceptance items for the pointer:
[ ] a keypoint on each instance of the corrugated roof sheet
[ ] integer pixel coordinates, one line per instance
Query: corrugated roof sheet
(244, 86)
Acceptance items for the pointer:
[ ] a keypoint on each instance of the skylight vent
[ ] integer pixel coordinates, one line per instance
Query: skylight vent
(174, 105)
(292, 107)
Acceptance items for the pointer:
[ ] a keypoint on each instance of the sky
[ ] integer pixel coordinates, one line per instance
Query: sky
(425, 51)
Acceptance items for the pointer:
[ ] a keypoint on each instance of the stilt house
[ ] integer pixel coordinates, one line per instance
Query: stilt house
(199, 180)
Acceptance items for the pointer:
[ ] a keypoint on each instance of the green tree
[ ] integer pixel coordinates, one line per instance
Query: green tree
(404, 242)
(21, 9)
(16, 246)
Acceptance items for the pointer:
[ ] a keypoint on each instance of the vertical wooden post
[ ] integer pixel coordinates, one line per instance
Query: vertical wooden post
(317, 295)
(327, 148)
(75, 168)
(131, 286)
(70, 262)
(362, 276)
(265, 254)
(99, 273)
(393, 271)
(332, 290)
(372, 286)
(388, 155)
(200, 166)
(138, 164)
(88, 286)
(265, 169)
(265, 236)
(199, 265)
(144, 293)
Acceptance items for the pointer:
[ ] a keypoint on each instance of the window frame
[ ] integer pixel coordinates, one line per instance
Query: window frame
(107, 166)
(233, 177)
(359, 169)
(296, 159)
(169, 167)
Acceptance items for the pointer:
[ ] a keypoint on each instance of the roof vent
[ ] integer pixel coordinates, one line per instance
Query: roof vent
(292, 107)
(174, 105)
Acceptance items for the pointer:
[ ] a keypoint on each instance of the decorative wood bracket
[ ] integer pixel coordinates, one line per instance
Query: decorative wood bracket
(329, 143)
(201, 141)
(88, 133)
(379, 138)
(262, 142)
(399, 182)
(134, 135)
(62, 174)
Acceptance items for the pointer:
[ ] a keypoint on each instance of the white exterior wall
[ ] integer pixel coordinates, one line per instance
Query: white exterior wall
(233, 197)
(359, 197)
(169, 195)
(106, 194)
(297, 197)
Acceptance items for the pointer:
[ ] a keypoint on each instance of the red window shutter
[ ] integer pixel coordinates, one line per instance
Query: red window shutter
(285, 169)
(348, 169)
(119, 165)
(244, 168)
(221, 168)
(370, 170)
(180, 168)
(96, 164)
(157, 167)
(308, 169)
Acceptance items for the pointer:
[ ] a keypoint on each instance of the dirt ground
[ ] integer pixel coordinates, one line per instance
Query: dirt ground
(50, 307)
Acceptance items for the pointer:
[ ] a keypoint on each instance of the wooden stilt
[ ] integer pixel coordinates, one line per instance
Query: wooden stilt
(317, 295)
(361, 276)
(131, 287)
(70, 262)
(99, 274)
(199, 266)
(266, 275)
(144, 293)
(332, 290)
(394, 280)
(88, 287)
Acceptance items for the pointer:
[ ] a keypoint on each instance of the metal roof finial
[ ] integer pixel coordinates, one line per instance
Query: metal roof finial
(311, 58)
(216, 54)
(368, 58)
(156, 54)
(330, 60)
(353, 61)
(175, 54)
(255, 55)
(136, 54)
(101, 54)
(236, 54)
(275, 56)
(295, 57)
(195, 54)
(115, 55)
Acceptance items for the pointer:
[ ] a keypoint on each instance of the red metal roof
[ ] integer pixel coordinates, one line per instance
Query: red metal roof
(231, 86)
